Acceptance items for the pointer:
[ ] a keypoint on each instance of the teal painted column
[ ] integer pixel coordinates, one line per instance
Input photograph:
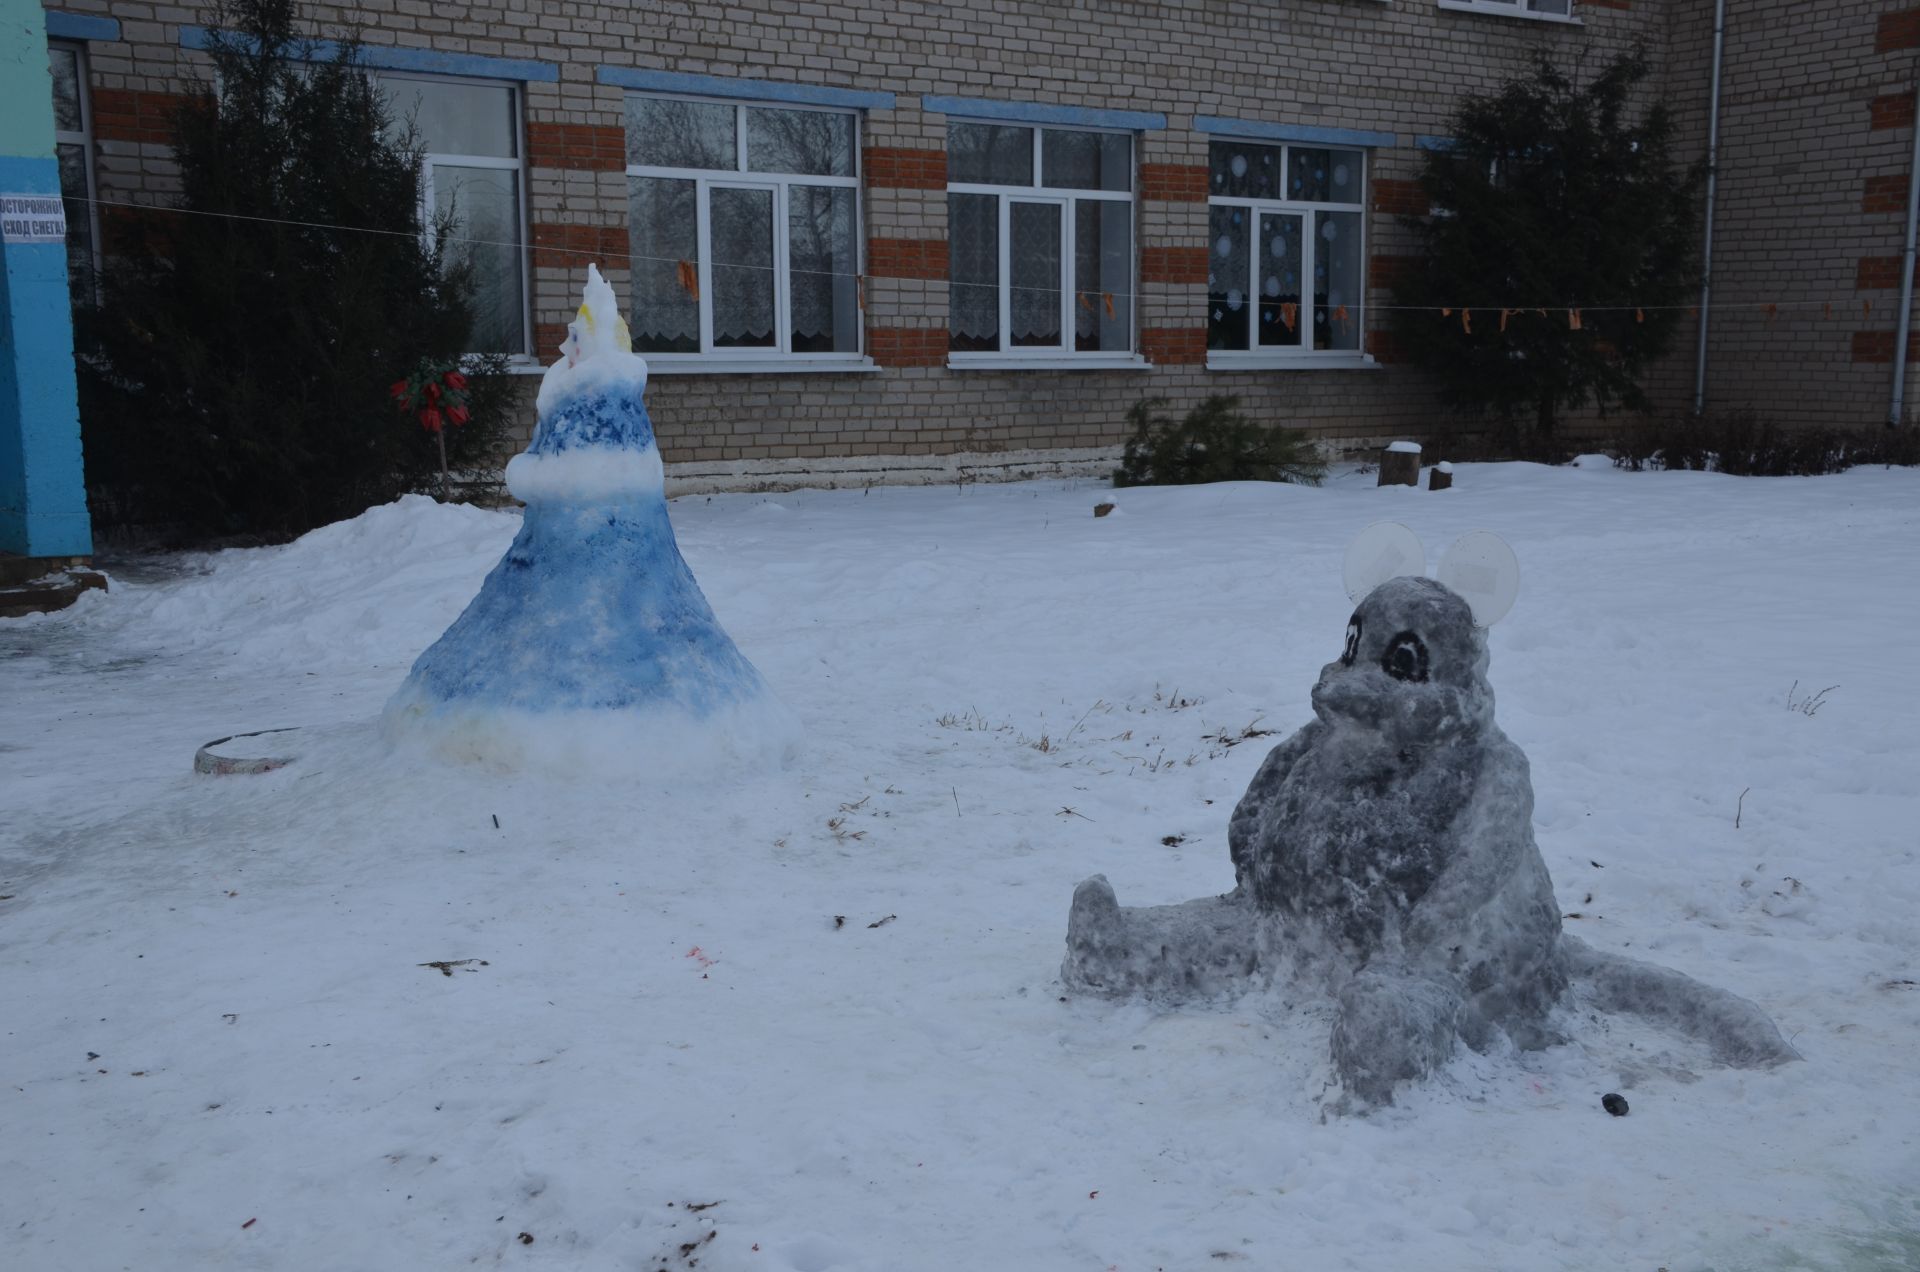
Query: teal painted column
(43, 498)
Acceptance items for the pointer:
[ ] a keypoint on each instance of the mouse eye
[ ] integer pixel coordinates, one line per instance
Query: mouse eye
(1353, 642)
(1406, 658)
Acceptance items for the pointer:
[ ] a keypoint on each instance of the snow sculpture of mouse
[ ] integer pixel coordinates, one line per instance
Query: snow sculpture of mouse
(1388, 848)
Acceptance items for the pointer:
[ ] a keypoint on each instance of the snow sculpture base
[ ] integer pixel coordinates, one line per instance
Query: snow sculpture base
(1386, 850)
(590, 646)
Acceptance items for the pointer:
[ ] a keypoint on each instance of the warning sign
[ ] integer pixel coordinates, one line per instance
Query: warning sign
(32, 218)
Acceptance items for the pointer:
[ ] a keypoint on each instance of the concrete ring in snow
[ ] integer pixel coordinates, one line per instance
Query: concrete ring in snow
(217, 759)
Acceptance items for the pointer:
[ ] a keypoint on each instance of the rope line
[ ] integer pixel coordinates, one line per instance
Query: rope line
(1490, 312)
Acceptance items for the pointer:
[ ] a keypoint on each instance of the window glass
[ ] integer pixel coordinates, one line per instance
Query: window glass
(1033, 234)
(665, 133)
(1243, 170)
(1323, 176)
(822, 260)
(990, 154)
(809, 142)
(66, 89)
(1228, 270)
(973, 268)
(485, 206)
(1278, 266)
(1102, 275)
(663, 237)
(454, 118)
(1337, 281)
(1085, 160)
(743, 313)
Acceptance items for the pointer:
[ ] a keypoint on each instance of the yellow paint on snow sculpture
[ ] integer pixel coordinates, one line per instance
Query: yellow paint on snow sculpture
(589, 333)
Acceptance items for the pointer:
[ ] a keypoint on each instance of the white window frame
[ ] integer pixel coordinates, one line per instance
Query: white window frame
(84, 139)
(1522, 9)
(780, 357)
(1259, 357)
(1064, 355)
(524, 356)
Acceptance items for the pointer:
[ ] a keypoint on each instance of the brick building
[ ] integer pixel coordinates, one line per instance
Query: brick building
(989, 227)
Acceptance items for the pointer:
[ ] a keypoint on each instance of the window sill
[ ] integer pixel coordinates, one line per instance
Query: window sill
(1047, 362)
(1322, 361)
(1509, 11)
(682, 364)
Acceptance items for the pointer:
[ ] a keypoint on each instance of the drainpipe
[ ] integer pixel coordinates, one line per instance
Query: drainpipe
(1713, 180)
(1898, 409)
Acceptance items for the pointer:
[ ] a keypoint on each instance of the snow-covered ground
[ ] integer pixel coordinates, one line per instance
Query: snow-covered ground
(222, 1049)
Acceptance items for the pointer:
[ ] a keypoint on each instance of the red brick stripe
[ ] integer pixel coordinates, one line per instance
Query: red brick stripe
(1877, 273)
(1385, 346)
(570, 247)
(1401, 198)
(1173, 264)
(1884, 194)
(127, 115)
(907, 346)
(1877, 346)
(1891, 110)
(582, 147)
(1607, 4)
(1172, 346)
(1174, 182)
(1391, 271)
(898, 168)
(1897, 31)
(906, 258)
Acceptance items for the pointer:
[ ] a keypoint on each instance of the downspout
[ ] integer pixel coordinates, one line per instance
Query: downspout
(1713, 181)
(1898, 409)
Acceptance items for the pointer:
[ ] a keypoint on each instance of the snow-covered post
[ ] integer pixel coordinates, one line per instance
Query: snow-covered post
(1400, 464)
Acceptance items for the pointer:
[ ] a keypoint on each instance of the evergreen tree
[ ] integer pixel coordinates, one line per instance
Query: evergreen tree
(1562, 242)
(237, 375)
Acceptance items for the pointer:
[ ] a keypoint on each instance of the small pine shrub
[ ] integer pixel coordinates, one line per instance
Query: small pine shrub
(1743, 444)
(235, 380)
(1215, 442)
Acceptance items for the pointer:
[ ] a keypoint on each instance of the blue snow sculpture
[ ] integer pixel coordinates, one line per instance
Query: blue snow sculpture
(590, 644)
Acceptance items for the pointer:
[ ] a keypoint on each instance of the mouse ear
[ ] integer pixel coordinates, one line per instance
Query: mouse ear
(1384, 550)
(1483, 570)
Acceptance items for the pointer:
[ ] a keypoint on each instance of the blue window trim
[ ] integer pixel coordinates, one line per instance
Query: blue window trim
(1042, 113)
(389, 57)
(1311, 134)
(743, 89)
(80, 26)
(1435, 143)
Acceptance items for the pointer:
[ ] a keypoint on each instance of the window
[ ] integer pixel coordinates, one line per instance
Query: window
(1040, 240)
(744, 223)
(1561, 9)
(73, 146)
(1285, 265)
(470, 131)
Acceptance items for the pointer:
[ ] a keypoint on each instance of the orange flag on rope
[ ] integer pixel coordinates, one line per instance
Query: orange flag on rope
(1573, 320)
(1289, 312)
(1503, 318)
(1446, 313)
(1086, 302)
(1340, 313)
(689, 279)
(1639, 315)
(1108, 297)
(1466, 321)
